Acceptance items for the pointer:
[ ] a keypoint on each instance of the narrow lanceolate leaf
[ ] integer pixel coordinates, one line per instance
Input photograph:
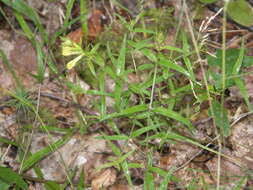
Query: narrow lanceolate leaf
(149, 54)
(173, 115)
(221, 118)
(239, 61)
(36, 157)
(243, 90)
(140, 131)
(174, 66)
(10, 177)
(120, 67)
(127, 112)
(23, 8)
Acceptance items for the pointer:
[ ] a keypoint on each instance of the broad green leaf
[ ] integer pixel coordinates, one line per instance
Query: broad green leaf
(10, 177)
(173, 115)
(235, 61)
(36, 157)
(241, 12)
(221, 118)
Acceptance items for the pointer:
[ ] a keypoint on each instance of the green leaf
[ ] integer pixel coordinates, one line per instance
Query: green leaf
(40, 63)
(171, 48)
(10, 177)
(239, 61)
(173, 65)
(173, 115)
(120, 67)
(36, 157)
(7, 141)
(23, 8)
(127, 111)
(221, 118)
(140, 131)
(241, 12)
(149, 181)
(50, 185)
(208, 1)
(81, 184)
(241, 85)
(117, 161)
(4, 186)
(141, 44)
(149, 54)
(114, 137)
(235, 61)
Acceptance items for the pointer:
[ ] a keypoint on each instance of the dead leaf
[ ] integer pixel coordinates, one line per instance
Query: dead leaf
(95, 23)
(120, 186)
(76, 35)
(230, 172)
(95, 27)
(104, 179)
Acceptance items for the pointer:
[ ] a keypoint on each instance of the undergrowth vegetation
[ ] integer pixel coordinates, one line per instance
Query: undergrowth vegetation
(158, 90)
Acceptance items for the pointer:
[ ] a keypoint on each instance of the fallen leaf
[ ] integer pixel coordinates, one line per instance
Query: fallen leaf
(104, 179)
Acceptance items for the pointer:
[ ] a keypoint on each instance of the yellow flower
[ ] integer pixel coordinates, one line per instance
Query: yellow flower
(71, 48)
(73, 62)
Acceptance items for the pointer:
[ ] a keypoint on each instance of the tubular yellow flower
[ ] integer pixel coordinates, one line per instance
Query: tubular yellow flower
(73, 62)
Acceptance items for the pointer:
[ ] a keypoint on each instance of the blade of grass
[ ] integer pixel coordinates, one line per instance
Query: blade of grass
(140, 131)
(68, 12)
(84, 19)
(120, 66)
(127, 112)
(11, 70)
(173, 115)
(23, 8)
(36, 157)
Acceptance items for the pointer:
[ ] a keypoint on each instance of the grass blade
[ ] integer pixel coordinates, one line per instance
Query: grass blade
(36, 157)
(120, 67)
(127, 112)
(173, 115)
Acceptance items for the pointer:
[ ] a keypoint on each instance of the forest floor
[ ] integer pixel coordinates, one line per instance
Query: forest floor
(123, 95)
